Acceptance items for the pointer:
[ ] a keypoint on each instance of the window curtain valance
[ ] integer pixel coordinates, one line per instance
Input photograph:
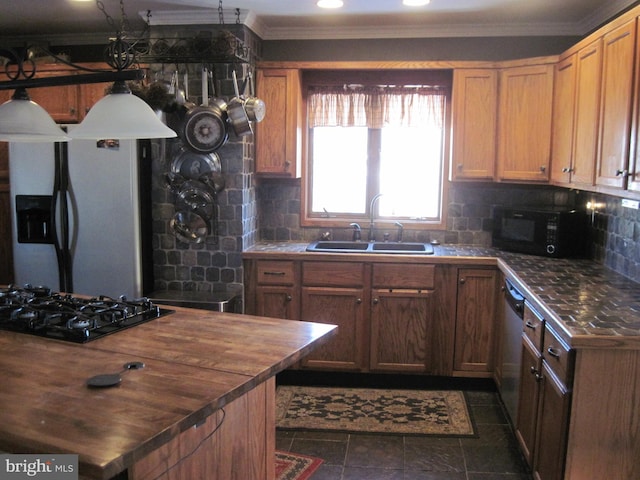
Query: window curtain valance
(376, 107)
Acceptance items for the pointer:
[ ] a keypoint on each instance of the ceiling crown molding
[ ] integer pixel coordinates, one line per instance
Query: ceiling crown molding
(255, 23)
(606, 12)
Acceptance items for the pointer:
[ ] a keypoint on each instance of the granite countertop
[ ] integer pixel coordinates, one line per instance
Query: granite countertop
(590, 304)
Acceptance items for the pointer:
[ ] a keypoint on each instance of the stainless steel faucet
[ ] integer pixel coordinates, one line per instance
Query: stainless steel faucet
(400, 230)
(372, 213)
(357, 235)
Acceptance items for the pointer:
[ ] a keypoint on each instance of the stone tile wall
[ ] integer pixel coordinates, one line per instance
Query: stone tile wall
(468, 215)
(216, 263)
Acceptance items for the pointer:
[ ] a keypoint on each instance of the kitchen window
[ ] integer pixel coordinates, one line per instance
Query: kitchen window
(370, 140)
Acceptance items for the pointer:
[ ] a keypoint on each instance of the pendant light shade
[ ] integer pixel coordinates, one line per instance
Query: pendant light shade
(121, 115)
(22, 120)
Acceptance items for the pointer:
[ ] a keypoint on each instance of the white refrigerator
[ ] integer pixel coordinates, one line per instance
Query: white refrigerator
(81, 221)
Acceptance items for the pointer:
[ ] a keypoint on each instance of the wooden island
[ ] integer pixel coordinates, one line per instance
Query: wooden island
(203, 406)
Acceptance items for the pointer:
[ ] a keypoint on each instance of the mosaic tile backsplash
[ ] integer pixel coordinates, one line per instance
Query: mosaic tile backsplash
(614, 234)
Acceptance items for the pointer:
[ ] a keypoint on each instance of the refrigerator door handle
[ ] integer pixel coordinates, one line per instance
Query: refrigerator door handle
(61, 228)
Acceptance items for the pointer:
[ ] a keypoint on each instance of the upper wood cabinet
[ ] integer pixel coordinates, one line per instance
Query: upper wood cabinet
(524, 126)
(278, 136)
(66, 103)
(585, 139)
(475, 114)
(564, 101)
(618, 56)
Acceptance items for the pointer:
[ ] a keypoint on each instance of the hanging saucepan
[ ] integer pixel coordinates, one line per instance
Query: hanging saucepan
(205, 127)
(254, 106)
(215, 100)
(189, 226)
(236, 112)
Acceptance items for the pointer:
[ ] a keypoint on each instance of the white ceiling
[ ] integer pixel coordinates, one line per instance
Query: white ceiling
(302, 19)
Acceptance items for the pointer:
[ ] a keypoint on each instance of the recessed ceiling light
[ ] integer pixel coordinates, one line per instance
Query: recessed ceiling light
(415, 3)
(330, 3)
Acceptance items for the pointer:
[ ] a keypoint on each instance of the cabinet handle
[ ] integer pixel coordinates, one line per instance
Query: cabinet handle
(567, 170)
(535, 372)
(460, 166)
(289, 298)
(622, 173)
(275, 273)
(553, 352)
(530, 325)
(543, 168)
(463, 280)
(375, 301)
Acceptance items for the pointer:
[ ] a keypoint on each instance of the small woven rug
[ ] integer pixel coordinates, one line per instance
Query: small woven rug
(293, 466)
(400, 412)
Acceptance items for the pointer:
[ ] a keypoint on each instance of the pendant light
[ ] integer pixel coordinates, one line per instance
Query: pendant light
(121, 115)
(22, 120)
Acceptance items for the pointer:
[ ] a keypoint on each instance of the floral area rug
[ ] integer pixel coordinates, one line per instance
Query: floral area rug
(399, 412)
(293, 466)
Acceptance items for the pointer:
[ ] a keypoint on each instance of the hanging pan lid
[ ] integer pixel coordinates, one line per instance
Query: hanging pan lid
(193, 165)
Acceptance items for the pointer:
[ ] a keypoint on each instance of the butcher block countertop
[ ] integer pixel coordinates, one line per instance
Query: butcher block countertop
(196, 362)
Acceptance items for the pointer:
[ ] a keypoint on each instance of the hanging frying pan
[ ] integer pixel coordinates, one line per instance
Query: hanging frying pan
(204, 128)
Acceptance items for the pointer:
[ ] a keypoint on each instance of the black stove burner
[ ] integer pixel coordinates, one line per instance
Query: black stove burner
(39, 311)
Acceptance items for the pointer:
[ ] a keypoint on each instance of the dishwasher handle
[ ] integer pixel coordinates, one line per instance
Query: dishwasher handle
(514, 298)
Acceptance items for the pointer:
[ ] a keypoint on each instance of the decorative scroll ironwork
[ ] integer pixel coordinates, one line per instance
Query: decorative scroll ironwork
(224, 47)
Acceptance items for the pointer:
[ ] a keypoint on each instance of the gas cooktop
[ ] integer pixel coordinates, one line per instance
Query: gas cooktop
(40, 311)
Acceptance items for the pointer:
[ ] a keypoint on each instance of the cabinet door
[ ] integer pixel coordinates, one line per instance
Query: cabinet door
(585, 140)
(62, 103)
(475, 319)
(278, 136)
(343, 307)
(475, 105)
(277, 301)
(563, 120)
(615, 108)
(91, 93)
(524, 133)
(553, 424)
(400, 330)
(527, 421)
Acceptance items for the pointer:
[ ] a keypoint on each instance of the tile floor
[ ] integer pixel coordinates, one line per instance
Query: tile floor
(493, 455)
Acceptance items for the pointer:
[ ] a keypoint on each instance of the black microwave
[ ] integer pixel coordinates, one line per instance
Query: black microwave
(549, 232)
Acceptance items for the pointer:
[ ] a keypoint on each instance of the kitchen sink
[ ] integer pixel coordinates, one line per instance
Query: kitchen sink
(335, 246)
(392, 247)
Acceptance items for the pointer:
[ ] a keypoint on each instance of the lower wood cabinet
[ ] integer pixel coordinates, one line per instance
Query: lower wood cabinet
(545, 397)
(342, 307)
(475, 321)
(396, 317)
(553, 424)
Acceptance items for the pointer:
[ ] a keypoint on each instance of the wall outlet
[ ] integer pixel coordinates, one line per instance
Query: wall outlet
(634, 204)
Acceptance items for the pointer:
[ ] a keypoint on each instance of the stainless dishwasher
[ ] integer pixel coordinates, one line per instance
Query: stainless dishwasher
(511, 348)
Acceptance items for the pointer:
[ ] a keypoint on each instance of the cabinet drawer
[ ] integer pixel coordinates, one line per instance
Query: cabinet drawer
(276, 272)
(403, 276)
(533, 326)
(558, 356)
(333, 274)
